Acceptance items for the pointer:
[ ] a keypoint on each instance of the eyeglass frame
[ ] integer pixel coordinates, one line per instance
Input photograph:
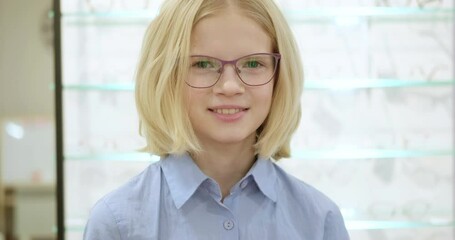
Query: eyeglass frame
(277, 57)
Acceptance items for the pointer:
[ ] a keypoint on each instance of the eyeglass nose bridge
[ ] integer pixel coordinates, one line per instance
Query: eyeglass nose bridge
(236, 69)
(231, 62)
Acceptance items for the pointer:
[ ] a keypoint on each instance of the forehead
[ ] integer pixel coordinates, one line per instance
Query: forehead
(229, 34)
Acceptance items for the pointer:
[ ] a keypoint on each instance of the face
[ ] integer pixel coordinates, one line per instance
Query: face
(229, 112)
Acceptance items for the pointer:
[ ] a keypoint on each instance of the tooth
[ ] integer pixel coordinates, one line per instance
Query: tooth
(226, 111)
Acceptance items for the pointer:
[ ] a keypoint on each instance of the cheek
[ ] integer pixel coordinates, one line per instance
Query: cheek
(266, 97)
(189, 103)
(193, 97)
(190, 96)
(195, 102)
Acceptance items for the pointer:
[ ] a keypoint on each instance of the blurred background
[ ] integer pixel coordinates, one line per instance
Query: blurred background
(376, 133)
(27, 137)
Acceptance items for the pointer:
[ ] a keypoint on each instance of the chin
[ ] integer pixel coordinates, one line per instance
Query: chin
(237, 138)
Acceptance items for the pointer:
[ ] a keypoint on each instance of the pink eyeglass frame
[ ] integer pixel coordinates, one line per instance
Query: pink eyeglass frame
(277, 57)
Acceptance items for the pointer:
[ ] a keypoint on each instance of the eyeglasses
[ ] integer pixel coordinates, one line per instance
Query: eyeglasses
(253, 70)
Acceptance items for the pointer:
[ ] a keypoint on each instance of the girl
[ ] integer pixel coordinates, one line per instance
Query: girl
(218, 94)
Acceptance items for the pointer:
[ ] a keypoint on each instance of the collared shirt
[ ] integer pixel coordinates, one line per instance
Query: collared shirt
(174, 199)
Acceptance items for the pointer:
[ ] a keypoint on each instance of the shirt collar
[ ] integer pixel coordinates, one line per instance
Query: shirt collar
(184, 177)
(265, 176)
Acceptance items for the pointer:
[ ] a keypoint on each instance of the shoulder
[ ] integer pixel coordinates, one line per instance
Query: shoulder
(137, 190)
(101, 223)
(138, 187)
(112, 216)
(302, 192)
(310, 205)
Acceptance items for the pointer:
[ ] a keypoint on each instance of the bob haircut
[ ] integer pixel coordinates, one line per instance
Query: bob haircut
(162, 68)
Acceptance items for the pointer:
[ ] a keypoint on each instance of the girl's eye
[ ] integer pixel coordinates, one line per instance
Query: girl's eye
(203, 64)
(252, 64)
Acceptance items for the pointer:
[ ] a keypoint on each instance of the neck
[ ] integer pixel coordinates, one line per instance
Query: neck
(226, 164)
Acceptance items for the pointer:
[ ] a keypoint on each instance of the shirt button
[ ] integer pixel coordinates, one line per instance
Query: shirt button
(243, 184)
(228, 224)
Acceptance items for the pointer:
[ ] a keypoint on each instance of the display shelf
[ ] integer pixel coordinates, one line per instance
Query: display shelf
(368, 12)
(116, 14)
(362, 83)
(318, 154)
(320, 84)
(99, 87)
(307, 14)
(113, 156)
(346, 153)
(377, 225)
(140, 17)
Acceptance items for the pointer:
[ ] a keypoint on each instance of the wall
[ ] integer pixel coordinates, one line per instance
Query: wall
(26, 58)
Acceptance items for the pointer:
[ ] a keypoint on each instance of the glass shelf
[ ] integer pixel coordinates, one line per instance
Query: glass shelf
(308, 14)
(136, 14)
(345, 153)
(99, 87)
(303, 155)
(141, 17)
(350, 83)
(117, 156)
(376, 13)
(323, 84)
(377, 225)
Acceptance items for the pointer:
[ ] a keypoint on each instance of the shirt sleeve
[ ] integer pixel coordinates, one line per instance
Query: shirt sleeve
(101, 224)
(334, 228)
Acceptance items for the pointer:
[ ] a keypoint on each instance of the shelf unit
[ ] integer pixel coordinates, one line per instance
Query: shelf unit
(86, 95)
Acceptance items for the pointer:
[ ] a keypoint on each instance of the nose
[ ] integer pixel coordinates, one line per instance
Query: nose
(229, 82)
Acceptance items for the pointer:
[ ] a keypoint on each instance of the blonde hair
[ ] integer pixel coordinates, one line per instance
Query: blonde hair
(160, 77)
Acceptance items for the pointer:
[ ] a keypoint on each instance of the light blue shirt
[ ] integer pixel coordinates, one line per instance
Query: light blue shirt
(174, 199)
